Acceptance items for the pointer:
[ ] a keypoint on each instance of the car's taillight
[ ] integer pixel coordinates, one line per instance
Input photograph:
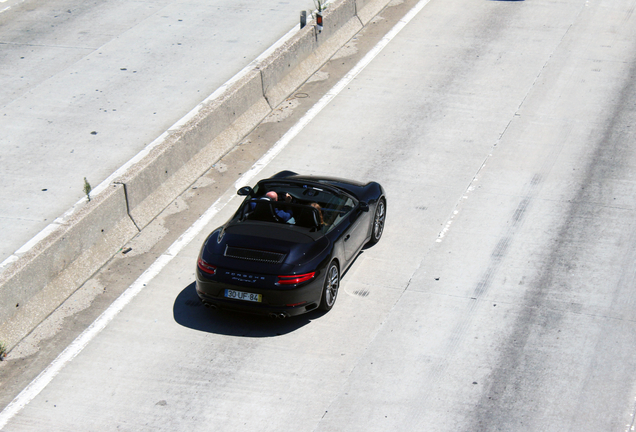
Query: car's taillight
(295, 279)
(206, 267)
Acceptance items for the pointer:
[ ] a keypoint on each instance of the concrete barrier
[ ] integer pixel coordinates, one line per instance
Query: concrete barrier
(170, 167)
(76, 246)
(39, 281)
(300, 57)
(367, 9)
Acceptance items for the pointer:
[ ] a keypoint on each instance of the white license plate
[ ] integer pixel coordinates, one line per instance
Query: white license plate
(240, 295)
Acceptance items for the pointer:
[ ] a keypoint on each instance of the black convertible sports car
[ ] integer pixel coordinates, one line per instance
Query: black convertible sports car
(283, 251)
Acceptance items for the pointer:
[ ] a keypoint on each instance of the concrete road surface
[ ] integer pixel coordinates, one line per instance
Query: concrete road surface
(501, 296)
(85, 86)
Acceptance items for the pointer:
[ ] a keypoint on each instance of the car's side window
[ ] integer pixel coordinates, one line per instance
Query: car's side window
(337, 210)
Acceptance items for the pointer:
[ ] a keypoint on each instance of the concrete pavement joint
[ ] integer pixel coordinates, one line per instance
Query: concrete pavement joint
(339, 87)
(48, 46)
(545, 65)
(47, 375)
(50, 241)
(143, 153)
(516, 114)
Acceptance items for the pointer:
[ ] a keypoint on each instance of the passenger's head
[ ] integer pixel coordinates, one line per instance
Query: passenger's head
(317, 207)
(272, 195)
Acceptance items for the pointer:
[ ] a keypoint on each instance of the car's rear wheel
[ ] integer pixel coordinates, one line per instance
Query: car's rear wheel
(330, 287)
(378, 221)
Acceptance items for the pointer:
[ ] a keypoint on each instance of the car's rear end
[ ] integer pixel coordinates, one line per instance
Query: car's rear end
(263, 269)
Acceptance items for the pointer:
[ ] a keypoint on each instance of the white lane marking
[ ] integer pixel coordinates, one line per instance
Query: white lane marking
(47, 375)
(146, 150)
(7, 7)
(364, 62)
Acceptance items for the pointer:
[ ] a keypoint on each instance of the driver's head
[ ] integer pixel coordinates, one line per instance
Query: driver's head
(272, 195)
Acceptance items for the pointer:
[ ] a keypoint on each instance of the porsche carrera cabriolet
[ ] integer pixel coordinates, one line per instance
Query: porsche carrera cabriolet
(283, 252)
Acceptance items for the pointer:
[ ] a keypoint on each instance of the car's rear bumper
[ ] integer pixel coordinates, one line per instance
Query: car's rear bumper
(275, 302)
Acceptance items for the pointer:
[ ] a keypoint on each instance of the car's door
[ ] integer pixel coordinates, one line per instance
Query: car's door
(357, 231)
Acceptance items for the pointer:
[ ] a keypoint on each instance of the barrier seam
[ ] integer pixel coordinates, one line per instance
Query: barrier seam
(128, 205)
(140, 157)
(263, 90)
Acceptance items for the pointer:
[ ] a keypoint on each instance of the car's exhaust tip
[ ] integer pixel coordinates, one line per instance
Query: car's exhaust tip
(278, 315)
(210, 306)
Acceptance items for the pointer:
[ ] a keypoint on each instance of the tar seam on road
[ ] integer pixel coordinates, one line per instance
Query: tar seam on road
(47, 375)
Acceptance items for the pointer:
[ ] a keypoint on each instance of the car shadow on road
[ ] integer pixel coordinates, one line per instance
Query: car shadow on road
(189, 312)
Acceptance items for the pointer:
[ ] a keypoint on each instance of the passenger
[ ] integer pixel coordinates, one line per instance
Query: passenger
(317, 207)
(283, 215)
(272, 195)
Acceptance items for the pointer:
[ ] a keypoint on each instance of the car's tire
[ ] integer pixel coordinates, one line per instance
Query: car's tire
(378, 221)
(330, 286)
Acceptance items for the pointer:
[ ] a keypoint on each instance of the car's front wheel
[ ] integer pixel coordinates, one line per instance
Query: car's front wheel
(378, 221)
(330, 287)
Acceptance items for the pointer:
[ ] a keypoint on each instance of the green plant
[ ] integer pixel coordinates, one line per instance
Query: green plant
(321, 5)
(87, 189)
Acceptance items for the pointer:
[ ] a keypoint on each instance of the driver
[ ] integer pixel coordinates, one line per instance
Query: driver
(284, 215)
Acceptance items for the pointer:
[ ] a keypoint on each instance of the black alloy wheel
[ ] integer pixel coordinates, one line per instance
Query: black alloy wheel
(378, 221)
(330, 287)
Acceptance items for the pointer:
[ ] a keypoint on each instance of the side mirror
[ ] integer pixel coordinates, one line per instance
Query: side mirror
(364, 206)
(244, 191)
